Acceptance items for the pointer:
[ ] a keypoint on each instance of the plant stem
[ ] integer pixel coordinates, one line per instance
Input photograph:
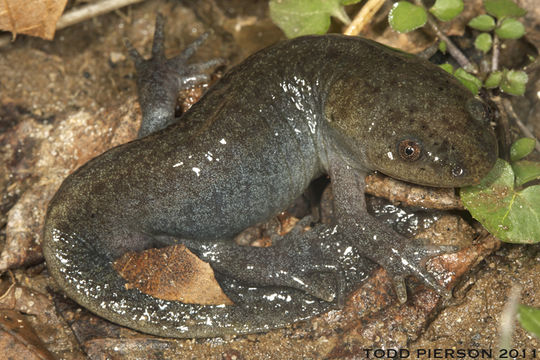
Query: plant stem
(528, 133)
(462, 60)
(495, 54)
(363, 17)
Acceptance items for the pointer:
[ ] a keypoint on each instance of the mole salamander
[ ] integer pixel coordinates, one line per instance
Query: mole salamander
(336, 105)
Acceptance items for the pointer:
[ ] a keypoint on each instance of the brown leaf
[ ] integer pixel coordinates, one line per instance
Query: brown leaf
(171, 273)
(287, 222)
(31, 17)
(18, 339)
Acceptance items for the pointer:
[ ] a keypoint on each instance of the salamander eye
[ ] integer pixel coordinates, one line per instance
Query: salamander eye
(409, 150)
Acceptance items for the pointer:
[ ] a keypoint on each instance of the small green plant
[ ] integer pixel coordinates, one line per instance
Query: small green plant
(305, 17)
(500, 22)
(502, 204)
(405, 17)
(529, 319)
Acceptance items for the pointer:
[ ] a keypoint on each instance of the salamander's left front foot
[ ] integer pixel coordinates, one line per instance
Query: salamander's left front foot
(160, 79)
(409, 258)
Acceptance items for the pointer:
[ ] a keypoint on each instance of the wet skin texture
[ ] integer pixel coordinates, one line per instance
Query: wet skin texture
(335, 105)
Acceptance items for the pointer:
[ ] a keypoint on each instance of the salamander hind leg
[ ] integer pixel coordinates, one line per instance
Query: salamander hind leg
(160, 79)
(300, 261)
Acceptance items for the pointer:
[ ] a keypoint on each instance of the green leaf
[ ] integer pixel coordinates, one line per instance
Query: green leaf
(526, 171)
(512, 216)
(405, 17)
(510, 29)
(521, 148)
(446, 10)
(514, 82)
(447, 67)
(304, 17)
(529, 318)
(482, 23)
(442, 46)
(470, 81)
(493, 80)
(483, 42)
(502, 8)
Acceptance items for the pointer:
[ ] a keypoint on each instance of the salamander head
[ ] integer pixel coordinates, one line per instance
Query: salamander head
(412, 121)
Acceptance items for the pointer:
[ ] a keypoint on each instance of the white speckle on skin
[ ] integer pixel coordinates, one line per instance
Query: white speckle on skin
(271, 297)
(390, 156)
(222, 141)
(312, 125)
(196, 170)
(178, 164)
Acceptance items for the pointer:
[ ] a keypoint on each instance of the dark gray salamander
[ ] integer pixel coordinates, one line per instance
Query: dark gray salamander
(335, 105)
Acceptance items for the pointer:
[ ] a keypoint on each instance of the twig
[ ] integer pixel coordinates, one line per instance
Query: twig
(495, 54)
(528, 133)
(89, 11)
(363, 17)
(11, 286)
(462, 60)
(82, 13)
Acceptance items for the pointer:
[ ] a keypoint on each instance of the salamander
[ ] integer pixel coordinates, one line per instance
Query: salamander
(336, 105)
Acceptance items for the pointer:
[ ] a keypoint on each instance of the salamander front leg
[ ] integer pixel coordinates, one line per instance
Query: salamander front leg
(399, 256)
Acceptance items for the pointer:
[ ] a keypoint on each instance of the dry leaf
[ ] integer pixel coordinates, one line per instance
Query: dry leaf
(171, 273)
(31, 17)
(18, 339)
